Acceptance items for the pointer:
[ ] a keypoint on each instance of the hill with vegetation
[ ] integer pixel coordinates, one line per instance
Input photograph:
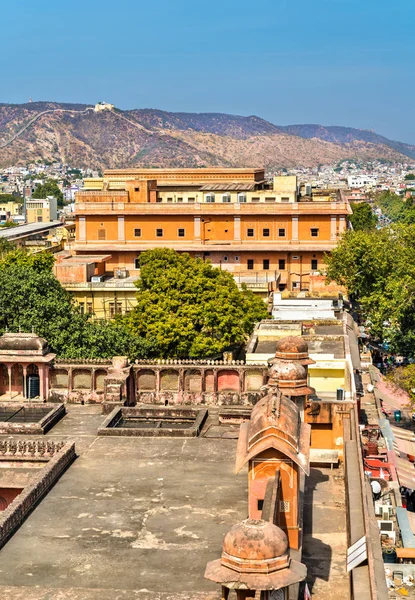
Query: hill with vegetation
(77, 135)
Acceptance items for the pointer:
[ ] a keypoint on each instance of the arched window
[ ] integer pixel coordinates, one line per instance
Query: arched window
(226, 198)
(210, 198)
(241, 198)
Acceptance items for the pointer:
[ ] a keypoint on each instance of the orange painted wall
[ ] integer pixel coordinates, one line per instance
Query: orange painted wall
(265, 465)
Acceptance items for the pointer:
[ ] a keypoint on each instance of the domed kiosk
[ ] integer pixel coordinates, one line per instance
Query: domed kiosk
(24, 366)
(255, 556)
(293, 348)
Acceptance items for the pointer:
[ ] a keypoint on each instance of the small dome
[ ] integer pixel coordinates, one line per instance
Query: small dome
(292, 347)
(255, 546)
(292, 344)
(22, 342)
(288, 371)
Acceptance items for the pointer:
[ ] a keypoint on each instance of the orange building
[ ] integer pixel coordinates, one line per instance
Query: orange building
(233, 217)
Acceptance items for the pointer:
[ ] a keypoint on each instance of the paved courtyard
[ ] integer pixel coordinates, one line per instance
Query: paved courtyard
(131, 518)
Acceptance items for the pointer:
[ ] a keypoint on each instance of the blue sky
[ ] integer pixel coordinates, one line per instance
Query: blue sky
(334, 62)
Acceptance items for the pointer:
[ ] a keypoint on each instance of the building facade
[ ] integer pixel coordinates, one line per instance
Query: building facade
(237, 219)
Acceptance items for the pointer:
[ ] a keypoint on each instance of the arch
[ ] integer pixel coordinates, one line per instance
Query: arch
(99, 377)
(17, 378)
(146, 381)
(209, 381)
(169, 381)
(4, 379)
(59, 378)
(228, 381)
(32, 369)
(254, 380)
(81, 379)
(3, 503)
(193, 381)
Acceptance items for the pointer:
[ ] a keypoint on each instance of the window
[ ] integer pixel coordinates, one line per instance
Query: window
(250, 232)
(285, 199)
(284, 506)
(250, 264)
(82, 308)
(281, 264)
(241, 198)
(236, 258)
(270, 199)
(137, 189)
(255, 199)
(225, 258)
(89, 309)
(179, 199)
(265, 232)
(226, 198)
(314, 264)
(281, 232)
(102, 234)
(260, 504)
(159, 233)
(136, 263)
(137, 232)
(210, 198)
(39, 219)
(190, 199)
(181, 232)
(265, 264)
(169, 199)
(314, 232)
(296, 284)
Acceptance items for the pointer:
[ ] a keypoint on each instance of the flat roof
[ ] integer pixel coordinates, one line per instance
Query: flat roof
(85, 258)
(28, 229)
(130, 518)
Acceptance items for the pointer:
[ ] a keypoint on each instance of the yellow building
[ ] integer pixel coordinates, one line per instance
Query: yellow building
(11, 209)
(41, 210)
(96, 293)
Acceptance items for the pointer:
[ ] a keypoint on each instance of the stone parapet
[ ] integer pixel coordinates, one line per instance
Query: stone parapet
(19, 509)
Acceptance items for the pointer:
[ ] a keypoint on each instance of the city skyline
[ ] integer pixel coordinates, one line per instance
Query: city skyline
(331, 63)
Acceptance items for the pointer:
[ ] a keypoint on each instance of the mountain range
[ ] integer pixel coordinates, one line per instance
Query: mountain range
(77, 135)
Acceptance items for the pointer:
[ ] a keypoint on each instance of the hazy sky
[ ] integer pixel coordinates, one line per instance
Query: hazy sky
(334, 62)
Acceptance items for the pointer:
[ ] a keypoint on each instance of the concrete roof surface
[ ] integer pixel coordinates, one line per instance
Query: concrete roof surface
(130, 518)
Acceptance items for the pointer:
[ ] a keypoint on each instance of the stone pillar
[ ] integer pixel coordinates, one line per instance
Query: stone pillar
(24, 380)
(9, 371)
(197, 229)
(81, 229)
(121, 229)
(294, 235)
(333, 228)
(42, 382)
(47, 371)
(237, 229)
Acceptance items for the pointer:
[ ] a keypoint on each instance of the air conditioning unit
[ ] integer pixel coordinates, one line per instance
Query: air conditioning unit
(97, 278)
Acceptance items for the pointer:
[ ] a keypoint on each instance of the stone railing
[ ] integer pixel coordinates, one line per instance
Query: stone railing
(29, 449)
(23, 504)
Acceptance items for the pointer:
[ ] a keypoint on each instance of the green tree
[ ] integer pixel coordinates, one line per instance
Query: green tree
(10, 198)
(363, 217)
(31, 298)
(49, 188)
(409, 177)
(378, 268)
(188, 308)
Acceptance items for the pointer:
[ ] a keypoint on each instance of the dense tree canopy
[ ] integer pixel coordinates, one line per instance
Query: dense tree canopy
(32, 299)
(396, 208)
(189, 308)
(363, 217)
(378, 268)
(49, 188)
